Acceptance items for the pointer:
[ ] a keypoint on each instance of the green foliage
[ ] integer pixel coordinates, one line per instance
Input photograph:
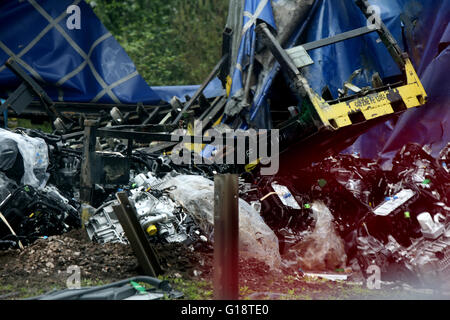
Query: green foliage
(172, 42)
(244, 292)
(26, 123)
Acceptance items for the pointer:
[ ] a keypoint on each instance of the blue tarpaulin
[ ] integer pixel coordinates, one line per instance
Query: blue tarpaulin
(71, 64)
(253, 11)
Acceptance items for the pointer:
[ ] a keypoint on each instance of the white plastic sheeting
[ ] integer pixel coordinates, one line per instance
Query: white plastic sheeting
(322, 249)
(256, 239)
(34, 152)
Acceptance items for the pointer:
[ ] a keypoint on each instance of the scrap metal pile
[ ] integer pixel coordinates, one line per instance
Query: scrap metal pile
(30, 203)
(342, 211)
(398, 219)
(40, 190)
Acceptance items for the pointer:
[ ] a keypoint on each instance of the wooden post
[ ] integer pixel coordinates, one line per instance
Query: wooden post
(87, 179)
(226, 237)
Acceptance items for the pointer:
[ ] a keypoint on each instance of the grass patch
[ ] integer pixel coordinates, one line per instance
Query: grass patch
(192, 289)
(26, 123)
(15, 292)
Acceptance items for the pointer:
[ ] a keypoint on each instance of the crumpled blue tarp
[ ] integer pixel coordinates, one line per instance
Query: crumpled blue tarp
(253, 10)
(421, 29)
(81, 65)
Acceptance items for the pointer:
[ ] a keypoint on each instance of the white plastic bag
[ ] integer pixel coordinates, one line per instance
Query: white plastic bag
(256, 239)
(34, 152)
(323, 249)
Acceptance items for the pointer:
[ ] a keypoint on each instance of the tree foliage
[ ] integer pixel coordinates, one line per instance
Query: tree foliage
(172, 42)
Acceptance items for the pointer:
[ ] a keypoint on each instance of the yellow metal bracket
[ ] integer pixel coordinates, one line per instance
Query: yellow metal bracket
(373, 105)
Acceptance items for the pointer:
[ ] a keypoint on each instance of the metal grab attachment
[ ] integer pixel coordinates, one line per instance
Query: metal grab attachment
(364, 105)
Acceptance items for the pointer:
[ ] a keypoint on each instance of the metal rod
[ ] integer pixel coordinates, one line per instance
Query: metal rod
(279, 53)
(250, 72)
(211, 107)
(90, 105)
(88, 164)
(338, 38)
(207, 121)
(385, 35)
(226, 237)
(22, 97)
(200, 90)
(149, 136)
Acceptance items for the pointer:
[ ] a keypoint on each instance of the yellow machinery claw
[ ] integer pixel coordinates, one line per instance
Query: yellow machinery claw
(372, 105)
(367, 103)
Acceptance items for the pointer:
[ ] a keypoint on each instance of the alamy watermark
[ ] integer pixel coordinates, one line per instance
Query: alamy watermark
(74, 20)
(228, 147)
(74, 279)
(374, 20)
(374, 280)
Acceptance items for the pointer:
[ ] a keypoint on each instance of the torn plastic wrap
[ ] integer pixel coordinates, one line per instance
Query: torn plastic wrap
(34, 152)
(8, 154)
(11, 161)
(322, 249)
(7, 186)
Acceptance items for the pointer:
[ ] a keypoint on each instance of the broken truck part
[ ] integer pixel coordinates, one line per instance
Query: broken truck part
(364, 104)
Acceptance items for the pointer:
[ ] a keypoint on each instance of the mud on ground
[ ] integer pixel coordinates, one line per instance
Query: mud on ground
(43, 266)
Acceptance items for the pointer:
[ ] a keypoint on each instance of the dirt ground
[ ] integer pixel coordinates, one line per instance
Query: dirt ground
(43, 266)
